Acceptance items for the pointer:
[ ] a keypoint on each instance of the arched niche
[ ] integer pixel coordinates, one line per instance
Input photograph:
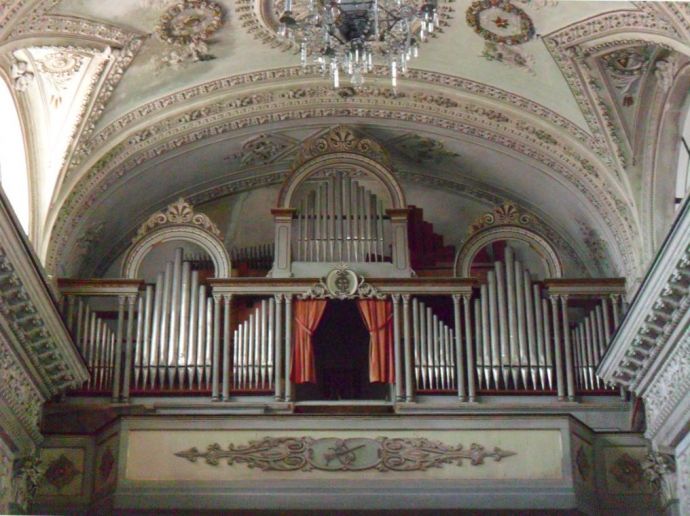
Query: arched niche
(342, 149)
(375, 170)
(177, 223)
(519, 235)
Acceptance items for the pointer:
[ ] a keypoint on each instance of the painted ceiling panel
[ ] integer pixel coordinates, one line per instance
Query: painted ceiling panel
(458, 51)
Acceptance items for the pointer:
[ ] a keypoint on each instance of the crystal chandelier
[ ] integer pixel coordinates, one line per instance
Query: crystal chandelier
(345, 36)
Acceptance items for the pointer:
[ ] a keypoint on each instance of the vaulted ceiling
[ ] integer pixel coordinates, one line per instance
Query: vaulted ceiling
(546, 103)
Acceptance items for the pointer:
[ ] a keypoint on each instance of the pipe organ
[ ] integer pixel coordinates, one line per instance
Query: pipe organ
(96, 342)
(513, 334)
(513, 347)
(172, 345)
(591, 338)
(339, 220)
(434, 350)
(253, 350)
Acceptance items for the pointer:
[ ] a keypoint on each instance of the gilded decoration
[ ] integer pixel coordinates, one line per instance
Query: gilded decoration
(627, 471)
(341, 139)
(179, 212)
(626, 67)
(584, 467)
(342, 283)
(188, 26)
(190, 21)
(264, 25)
(500, 21)
(508, 214)
(353, 454)
(421, 149)
(106, 464)
(61, 472)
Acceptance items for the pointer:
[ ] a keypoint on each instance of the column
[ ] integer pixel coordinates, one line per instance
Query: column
(70, 314)
(128, 347)
(397, 348)
(409, 382)
(462, 394)
(401, 248)
(227, 304)
(569, 374)
(282, 218)
(616, 310)
(118, 347)
(288, 347)
(279, 348)
(560, 382)
(471, 382)
(215, 362)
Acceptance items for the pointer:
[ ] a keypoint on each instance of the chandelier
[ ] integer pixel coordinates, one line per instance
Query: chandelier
(343, 37)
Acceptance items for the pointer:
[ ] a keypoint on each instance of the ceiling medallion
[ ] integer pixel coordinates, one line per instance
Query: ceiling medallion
(188, 25)
(500, 21)
(343, 37)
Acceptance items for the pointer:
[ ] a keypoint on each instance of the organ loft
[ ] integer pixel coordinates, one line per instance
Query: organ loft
(355, 309)
(344, 257)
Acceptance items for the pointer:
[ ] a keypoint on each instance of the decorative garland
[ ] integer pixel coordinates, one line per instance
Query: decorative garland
(475, 11)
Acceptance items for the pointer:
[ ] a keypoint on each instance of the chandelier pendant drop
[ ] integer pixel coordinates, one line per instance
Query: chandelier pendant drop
(343, 37)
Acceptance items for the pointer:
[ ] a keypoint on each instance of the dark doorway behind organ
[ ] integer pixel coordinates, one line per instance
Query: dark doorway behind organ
(341, 352)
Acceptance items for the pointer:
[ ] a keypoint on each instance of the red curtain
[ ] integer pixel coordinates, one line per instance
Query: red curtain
(307, 314)
(378, 316)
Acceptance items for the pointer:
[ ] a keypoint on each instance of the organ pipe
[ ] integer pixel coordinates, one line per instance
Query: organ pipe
(339, 220)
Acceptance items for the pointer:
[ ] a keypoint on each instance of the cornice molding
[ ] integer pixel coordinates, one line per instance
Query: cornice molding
(266, 107)
(650, 352)
(30, 319)
(254, 80)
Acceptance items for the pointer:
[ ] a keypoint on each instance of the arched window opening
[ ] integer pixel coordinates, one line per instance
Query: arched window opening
(13, 170)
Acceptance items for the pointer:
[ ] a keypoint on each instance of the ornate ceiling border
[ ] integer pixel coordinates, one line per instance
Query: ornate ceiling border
(124, 45)
(117, 127)
(570, 48)
(270, 107)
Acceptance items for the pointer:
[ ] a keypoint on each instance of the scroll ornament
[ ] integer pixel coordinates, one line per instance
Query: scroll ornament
(342, 283)
(353, 454)
(179, 212)
(507, 214)
(341, 139)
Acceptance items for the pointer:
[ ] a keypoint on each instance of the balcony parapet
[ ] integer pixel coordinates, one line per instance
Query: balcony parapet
(649, 354)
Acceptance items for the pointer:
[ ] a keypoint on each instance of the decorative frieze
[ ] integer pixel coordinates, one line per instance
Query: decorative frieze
(354, 454)
(113, 166)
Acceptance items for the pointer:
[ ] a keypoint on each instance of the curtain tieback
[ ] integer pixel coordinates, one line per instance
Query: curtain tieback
(383, 326)
(301, 325)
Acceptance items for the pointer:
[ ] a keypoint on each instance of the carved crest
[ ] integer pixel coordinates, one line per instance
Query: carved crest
(508, 214)
(342, 283)
(341, 139)
(179, 212)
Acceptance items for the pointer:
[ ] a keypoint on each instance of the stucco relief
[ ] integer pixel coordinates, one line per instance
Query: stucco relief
(18, 391)
(353, 454)
(107, 169)
(570, 49)
(670, 386)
